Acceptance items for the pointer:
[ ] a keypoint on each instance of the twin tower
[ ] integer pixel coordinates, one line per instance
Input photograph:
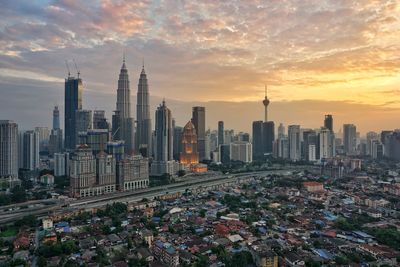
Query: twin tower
(123, 125)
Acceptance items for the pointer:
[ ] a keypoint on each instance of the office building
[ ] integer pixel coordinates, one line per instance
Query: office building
(132, 173)
(61, 164)
(371, 137)
(328, 122)
(294, 142)
(56, 118)
(229, 136)
(8, 149)
(263, 138)
(349, 139)
(83, 123)
(177, 142)
(99, 120)
(199, 122)
(123, 123)
(163, 146)
(105, 173)
(96, 139)
(29, 150)
(241, 151)
(73, 102)
(143, 131)
(376, 149)
(326, 144)
(44, 136)
(83, 172)
(224, 153)
(116, 149)
(189, 154)
(221, 133)
(281, 130)
(282, 147)
(309, 139)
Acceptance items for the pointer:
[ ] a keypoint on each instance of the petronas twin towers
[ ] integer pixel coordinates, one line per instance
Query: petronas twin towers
(123, 123)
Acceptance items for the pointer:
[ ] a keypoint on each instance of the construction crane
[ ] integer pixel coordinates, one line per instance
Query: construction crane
(76, 67)
(69, 73)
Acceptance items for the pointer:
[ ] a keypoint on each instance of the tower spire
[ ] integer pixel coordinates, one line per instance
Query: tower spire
(266, 103)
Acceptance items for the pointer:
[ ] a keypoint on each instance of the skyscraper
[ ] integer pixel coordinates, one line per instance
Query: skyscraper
(99, 120)
(44, 136)
(8, 149)
(177, 140)
(83, 172)
(199, 122)
(281, 130)
(220, 132)
(294, 142)
(189, 154)
(326, 143)
(328, 122)
(56, 118)
(349, 139)
(143, 131)
(263, 138)
(258, 149)
(29, 150)
(310, 145)
(241, 151)
(163, 147)
(132, 173)
(268, 136)
(73, 102)
(105, 173)
(123, 123)
(83, 122)
(56, 137)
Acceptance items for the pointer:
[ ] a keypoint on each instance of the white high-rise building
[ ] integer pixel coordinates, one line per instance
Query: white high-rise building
(61, 164)
(371, 136)
(312, 152)
(241, 151)
(44, 136)
(294, 142)
(326, 143)
(8, 149)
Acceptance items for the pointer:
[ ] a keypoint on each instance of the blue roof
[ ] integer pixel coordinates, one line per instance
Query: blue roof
(323, 253)
(62, 224)
(199, 230)
(156, 219)
(170, 250)
(159, 244)
(362, 234)
(262, 230)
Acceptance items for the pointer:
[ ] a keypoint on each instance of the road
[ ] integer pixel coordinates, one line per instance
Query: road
(130, 196)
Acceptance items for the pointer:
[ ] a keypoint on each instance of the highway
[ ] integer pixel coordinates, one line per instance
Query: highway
(47, 207)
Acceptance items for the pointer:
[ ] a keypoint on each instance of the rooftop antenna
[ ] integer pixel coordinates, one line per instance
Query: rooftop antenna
(76, 67)
(69, 73)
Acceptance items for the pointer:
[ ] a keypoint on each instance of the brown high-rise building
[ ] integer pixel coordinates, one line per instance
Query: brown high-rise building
(189, 154)
(199, 122)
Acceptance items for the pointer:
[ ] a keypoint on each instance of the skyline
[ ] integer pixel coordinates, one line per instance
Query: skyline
(301, 51)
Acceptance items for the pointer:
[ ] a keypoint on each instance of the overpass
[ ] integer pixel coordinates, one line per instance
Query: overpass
(194, 185)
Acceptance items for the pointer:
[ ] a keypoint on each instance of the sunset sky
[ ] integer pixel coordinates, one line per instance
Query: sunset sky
(338, 52)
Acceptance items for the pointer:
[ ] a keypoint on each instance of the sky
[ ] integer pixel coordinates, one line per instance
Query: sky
(316, 57)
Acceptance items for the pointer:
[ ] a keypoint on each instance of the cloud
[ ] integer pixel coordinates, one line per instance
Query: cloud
(210, 50)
